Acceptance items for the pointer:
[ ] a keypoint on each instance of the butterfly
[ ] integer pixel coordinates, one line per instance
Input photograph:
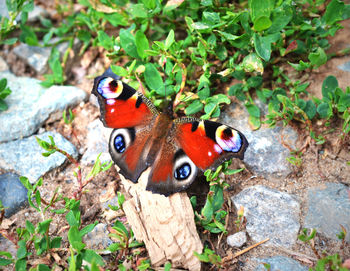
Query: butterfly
(175, 149)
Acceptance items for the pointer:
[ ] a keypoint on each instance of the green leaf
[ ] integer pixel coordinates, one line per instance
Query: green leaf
(310, 109)
(104, 40)
(253, 110)
(120, 227)
(116, 19)
(43, 227)
(42, 267)
(328, 87)
(334, 12)
(254, 122)
(344, 103)
(170, 39)
(318, 57)
(301, 66)
(91, 256)
(30, 227)
(21, 265)
(3, 84)
(3, 105)
(324, 110)
(4, 262)
(75, 238)
(252, 63)
(138, 11)
(154, 80)
(118, 70)
(141, 42)
(262, 23)
(28, 35)
(194, 107)
(262, 47)
(56, 242)
(88, 228)
(127, 42)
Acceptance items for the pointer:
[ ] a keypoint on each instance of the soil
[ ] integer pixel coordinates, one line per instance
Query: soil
(320, 164)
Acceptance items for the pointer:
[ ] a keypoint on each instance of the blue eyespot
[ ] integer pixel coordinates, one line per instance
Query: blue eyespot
(182, 172)
(119, 144)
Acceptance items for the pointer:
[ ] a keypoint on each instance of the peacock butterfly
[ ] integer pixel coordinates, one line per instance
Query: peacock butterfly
(175, 149)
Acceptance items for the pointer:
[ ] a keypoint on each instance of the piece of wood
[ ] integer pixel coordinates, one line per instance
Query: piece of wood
(165, 224)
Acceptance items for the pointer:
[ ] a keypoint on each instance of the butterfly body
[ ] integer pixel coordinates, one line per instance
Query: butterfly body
(174, 149)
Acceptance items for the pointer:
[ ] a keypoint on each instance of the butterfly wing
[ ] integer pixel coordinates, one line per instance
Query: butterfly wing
(121, 106)
(133, 115)
(210, 143)
(193, 144)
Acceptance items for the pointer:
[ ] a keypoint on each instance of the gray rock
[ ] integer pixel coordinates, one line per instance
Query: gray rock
(98, 237)
(270, 214)
(327, 209)
(37, 57)
(97, 142)
(280, 263)
(13, 194)
(345, 66)
(3, 9)
(237, 240)
(24, 156)
(30, 105)
(7, 245)
(3, 65)
(265, 155)
(37, 13)
(34, 56)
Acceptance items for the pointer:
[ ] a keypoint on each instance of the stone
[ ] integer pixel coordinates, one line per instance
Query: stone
(30, 105)
(265, 156)
(3, 65)
(24, 156)
(345, 67)
(37, 57)
(270, 214)
(8, 246)
(327, 209)
(280, 263)
(13, 194)
(98, 238)
(97, 142)
(237, 240)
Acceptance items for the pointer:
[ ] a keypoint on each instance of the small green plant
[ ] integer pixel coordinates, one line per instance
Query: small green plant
(9, 24)
(212, 216)
(324, 262)
(98, 167)
(209, 256)
(68, 118)
(4, 92)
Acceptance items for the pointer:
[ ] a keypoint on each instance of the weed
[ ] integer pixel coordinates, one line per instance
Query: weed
(4, 92)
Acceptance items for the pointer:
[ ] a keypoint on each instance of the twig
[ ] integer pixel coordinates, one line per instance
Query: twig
(294, 253)
(231, 257)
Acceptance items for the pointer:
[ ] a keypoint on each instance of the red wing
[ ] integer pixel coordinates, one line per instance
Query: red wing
(209, 143)
(172, 170)
(121, 106)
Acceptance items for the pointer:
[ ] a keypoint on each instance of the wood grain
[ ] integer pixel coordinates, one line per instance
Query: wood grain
(165, 224)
